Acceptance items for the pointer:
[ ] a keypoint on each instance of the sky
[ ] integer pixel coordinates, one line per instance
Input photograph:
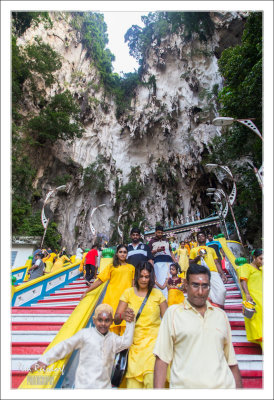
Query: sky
(118, 23)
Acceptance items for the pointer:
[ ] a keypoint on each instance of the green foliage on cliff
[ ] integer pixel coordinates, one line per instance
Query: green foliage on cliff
(241, 97)
(93, 31)
(30, 63)
(33, 69)
(128, 199)
(95, 176)
(31, 226)
(22, 20)
(160, 24)
(60, 119)
(23, 174)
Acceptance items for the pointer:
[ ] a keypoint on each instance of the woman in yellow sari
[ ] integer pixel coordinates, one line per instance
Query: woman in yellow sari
(141, 359)
(251, 278)
(183, 260)
(121, 276)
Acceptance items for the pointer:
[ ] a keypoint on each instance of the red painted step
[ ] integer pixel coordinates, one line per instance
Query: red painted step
(17, 378)
(58, 300)
(28, 347)
(36, 326)
(252, 379)
(43, 310)
(233, 307)
(247, 348)
(231, 288)
(237, 325)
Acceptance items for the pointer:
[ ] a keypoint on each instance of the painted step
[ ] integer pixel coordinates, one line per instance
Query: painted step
(17, 378)
(232, 301)
(231, 292)
(228, 288)
(39, 317)
(29, 348)
(234, 316)
(22, 362)
(34, 309)
(57, 304)
(71, 291)
(233, 307)
(238, 336)
(33, 336)
(247, 348)
(36, 326)
(236, 325)
(49, 299)
(234, 296)
(65, 295)
(250, 362)
(252, 379)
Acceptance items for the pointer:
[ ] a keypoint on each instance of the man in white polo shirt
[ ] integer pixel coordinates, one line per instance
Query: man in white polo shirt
(196, 337)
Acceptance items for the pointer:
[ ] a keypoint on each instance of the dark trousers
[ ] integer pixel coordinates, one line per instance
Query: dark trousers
(90, 272)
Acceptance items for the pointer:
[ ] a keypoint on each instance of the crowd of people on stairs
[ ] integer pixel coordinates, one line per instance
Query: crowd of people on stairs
(182, 337)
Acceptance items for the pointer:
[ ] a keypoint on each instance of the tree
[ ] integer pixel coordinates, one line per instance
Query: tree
(60, 119)
(241, 97)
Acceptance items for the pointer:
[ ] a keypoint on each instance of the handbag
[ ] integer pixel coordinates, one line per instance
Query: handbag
(121, 358)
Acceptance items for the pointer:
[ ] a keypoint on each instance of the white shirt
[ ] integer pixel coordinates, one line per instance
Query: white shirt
(97, 353)
(79, 253)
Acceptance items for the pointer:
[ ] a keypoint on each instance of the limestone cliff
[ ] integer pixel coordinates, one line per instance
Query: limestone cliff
(169, 125)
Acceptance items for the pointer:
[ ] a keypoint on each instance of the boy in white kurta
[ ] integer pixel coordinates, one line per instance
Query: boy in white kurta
(97, 348)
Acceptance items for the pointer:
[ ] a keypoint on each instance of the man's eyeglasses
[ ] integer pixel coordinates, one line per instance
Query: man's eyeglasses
(204, 286)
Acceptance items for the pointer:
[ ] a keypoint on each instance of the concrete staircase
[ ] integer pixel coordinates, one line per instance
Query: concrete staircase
(249, 355)
(34, 327)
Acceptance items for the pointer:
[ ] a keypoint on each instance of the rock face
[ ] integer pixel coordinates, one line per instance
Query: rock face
(169, 125)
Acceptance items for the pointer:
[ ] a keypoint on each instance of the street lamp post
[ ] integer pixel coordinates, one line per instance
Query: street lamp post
(118, 221)
(217, 197)
(218, 204)
(225, 121)
(93, 231)
(222, 172)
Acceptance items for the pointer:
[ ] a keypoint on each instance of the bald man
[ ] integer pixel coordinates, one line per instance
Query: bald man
(97, 348)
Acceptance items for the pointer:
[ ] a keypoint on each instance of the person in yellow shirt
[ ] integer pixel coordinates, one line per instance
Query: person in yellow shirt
(48, 261)
(204, 255)
(141, 360)
(183, 258)
(251, 279)
(121, 276)
(193, 242)
(195, 338)
(59, 263)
